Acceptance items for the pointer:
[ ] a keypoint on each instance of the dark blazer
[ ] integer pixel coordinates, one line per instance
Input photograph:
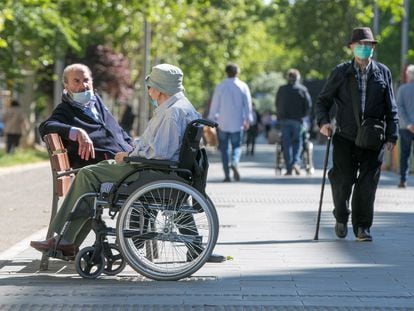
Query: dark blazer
(380, 101)
(107, 136)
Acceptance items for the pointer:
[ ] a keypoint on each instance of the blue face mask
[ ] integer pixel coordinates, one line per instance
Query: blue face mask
(363, 51)
(153, 102)
(83, 97)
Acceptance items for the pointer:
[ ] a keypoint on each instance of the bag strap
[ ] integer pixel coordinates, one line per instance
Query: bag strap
(355, 99)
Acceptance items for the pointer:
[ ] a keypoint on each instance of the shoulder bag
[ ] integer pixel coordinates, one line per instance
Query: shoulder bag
(371, 132)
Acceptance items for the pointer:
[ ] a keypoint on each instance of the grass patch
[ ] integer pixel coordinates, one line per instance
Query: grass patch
(22, 156)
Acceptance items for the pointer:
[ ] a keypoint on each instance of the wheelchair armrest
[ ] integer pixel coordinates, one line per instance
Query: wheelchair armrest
(204, 122)
(151, 162)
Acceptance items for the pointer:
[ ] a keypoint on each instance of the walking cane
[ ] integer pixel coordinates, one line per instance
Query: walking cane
(325, 165)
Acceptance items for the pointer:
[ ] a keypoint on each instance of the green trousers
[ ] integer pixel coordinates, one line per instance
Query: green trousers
(88, 179)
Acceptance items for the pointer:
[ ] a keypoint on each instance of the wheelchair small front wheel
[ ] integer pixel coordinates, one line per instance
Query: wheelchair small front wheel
(114, 261)
(87, 266)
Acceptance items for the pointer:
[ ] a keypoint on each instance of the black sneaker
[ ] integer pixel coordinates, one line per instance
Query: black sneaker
(364, 235)
(402, 184)
(341, 230)
(215, 258)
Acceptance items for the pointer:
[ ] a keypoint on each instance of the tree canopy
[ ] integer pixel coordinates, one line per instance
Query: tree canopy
(200, 36)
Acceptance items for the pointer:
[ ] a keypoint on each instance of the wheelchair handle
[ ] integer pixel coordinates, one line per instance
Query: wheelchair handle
(204, 122)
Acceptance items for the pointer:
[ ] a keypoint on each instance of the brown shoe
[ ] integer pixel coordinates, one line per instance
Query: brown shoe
(45, 246)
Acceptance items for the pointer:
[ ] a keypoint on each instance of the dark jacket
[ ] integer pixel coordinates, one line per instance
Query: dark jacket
(379, 104)
(293, 102)
(107, 136)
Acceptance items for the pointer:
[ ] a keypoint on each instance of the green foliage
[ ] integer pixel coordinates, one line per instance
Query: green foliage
(29, 35)
(22, 156)
(264, 88)
(200, 36)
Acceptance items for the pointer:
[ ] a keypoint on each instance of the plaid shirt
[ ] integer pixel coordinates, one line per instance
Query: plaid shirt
(362, 76)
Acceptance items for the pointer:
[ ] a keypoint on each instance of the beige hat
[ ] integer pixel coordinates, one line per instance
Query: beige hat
(166, 78)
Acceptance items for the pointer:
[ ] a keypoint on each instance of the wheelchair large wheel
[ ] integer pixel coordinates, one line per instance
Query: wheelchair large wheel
(279, 159)
(167, 230)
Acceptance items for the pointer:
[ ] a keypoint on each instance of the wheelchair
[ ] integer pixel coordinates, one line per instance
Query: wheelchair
(166, 225)
(306, 154)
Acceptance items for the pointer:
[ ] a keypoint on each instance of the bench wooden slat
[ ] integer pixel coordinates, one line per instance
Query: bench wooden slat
(54, 143)
(60, 162)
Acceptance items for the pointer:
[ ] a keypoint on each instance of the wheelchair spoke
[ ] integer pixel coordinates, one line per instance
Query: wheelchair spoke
(161, 233)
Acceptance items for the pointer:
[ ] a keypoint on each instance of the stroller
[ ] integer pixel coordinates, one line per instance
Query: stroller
(306, 154)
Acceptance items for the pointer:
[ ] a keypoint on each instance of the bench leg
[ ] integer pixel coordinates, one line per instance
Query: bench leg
(44, 262)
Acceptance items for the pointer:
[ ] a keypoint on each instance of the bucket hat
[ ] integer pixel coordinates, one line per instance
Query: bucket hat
(166, 78)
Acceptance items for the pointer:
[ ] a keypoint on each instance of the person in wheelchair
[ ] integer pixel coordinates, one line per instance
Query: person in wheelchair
(161, 140)
(306, 154)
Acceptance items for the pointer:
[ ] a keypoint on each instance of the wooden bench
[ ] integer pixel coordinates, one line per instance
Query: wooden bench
(62, 175)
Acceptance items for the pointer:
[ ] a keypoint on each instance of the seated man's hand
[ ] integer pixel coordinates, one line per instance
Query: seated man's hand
(86, 149)
(119, 157)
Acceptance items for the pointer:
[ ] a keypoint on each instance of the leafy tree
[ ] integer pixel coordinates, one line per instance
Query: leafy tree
(200, 36)
(29, 33)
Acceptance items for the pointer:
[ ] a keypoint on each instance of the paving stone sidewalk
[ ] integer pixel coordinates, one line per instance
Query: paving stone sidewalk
(267, 225)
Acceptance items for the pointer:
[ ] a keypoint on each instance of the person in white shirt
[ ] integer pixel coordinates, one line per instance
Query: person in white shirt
(231, 108)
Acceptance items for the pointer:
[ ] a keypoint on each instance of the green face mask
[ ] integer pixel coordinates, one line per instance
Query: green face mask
(363, 51)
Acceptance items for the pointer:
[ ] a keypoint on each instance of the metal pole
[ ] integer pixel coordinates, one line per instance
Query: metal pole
(404, 39)
(375, 25)
(143, 116)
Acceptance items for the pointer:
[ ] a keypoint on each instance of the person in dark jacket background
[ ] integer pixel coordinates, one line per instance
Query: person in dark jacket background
(355, 170)
(88, 130)
(293, 103)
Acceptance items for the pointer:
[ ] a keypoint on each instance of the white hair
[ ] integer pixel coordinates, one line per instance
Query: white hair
(410, 72)
(75, 67)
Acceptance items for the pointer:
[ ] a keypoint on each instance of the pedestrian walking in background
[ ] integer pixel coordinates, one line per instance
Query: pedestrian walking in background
(88, 130)
(231, 108)
(15, 125)
(293, 104)
(253, 131)
(365, 84)
(405, 103)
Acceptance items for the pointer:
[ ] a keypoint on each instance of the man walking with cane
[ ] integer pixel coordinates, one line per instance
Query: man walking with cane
(362, 91)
